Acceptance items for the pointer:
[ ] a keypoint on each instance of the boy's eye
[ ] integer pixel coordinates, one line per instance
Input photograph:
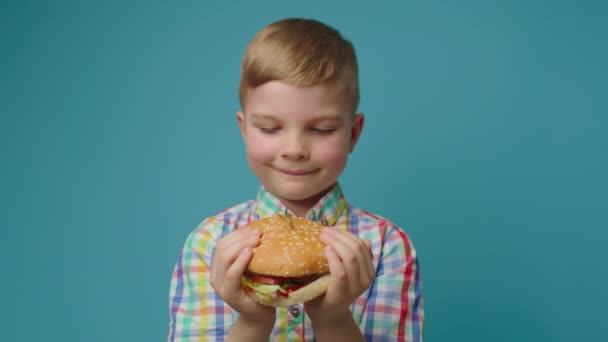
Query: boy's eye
(269, 130)
(323, 130)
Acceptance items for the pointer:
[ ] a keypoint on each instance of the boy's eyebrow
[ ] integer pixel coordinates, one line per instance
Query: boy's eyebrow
(329, 117)
(320, 117)
(261, 116)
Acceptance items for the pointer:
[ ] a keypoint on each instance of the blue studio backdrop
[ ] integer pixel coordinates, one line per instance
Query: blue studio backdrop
(485, 140)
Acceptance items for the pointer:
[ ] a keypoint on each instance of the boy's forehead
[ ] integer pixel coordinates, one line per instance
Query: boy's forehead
(277, 97)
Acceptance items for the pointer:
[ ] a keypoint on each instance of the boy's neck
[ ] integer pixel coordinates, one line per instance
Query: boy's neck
(301, 207)
(297, 207)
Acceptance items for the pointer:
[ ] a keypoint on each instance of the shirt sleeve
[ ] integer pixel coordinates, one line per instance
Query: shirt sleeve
(196, 312)
(394, 309)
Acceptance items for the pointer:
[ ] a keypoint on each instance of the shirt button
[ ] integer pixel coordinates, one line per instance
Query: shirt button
(295, 312)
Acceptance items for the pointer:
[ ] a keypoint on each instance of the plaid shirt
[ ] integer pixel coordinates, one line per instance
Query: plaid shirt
(390, 310)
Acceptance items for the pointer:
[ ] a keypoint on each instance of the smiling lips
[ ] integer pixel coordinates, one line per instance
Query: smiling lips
(296, 172)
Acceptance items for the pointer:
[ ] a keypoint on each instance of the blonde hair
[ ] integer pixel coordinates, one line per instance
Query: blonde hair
(301, 52)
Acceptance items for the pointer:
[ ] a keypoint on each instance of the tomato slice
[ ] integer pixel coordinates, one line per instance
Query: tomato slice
(292, 287)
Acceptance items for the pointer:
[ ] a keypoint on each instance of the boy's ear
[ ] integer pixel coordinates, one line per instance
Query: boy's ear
(355, 130)
(240, 116)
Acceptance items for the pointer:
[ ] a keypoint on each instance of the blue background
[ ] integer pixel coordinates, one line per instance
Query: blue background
(485, 139)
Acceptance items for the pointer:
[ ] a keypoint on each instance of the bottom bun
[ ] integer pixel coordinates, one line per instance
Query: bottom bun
(301, 295)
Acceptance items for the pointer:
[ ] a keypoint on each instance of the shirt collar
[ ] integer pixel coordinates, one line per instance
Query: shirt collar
(327, 211)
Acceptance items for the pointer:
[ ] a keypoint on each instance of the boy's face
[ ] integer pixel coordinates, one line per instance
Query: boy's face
(298, 139)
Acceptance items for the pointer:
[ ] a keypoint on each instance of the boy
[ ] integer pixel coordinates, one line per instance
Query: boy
(299, 94)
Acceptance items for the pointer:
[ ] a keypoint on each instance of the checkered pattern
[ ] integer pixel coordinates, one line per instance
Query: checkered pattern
(390, 310)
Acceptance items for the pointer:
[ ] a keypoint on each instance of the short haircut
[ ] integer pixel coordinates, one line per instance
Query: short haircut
(302, 52)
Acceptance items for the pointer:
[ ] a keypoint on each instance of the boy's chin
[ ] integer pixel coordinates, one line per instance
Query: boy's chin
(295, 196)
(300, 194)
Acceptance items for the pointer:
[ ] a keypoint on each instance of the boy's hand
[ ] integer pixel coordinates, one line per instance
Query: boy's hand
(232, 254)
(351, 270)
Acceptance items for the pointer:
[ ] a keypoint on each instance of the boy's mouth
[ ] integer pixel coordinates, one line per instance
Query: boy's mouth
(295, 172)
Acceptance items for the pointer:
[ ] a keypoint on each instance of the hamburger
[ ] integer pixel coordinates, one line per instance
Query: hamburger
(288, 267)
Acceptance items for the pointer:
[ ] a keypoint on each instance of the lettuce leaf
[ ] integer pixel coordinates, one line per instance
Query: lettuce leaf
(262, 288)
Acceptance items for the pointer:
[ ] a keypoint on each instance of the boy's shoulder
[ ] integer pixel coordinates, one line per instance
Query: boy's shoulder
(366, 223)
(231, 218)
(366, 217)
(387, 238)
(204, 237)
(225, 221)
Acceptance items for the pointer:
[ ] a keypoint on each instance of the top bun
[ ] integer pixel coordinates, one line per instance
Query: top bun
(289, 247)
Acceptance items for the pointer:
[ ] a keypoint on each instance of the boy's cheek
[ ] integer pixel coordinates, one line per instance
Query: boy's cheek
(260, 150)
(331, 152)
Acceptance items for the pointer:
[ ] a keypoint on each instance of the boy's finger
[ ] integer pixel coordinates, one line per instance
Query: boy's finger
(366, 259)
(347, 270)
(226, 255)
(356, 257)
(232, 279)
(230, 253)
(351, 250)
(368, 244)
(336, 270)
(344, 236)
(237, 235)
(369, 266)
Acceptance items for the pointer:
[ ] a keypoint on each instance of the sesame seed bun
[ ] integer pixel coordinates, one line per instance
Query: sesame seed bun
(289, 247)
(288, 267)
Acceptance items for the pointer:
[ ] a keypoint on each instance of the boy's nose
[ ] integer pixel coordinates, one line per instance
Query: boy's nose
(294, 148)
